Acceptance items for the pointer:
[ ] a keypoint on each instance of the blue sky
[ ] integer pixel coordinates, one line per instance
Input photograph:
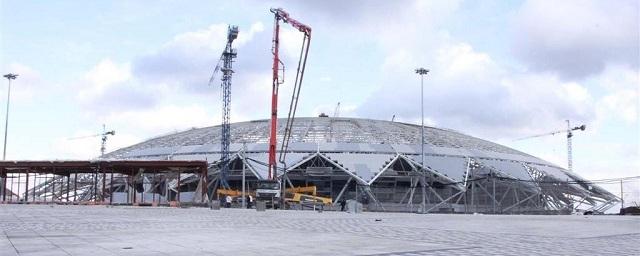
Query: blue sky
(499, 70)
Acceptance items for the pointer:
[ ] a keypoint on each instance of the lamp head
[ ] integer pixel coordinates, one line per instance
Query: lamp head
(422, 71)
(11, 76)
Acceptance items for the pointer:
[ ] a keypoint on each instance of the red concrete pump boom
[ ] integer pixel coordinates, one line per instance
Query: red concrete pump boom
(281, 15)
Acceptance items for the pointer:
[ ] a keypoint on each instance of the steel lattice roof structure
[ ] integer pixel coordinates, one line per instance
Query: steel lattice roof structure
(377, 163)
(374, 154)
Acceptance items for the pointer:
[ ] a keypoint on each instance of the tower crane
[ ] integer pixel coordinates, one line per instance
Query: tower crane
(226, 59)
(569, 132)
(104, 134)
(281, 15)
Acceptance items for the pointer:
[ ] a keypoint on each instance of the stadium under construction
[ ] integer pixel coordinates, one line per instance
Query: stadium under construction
(384, 165)
(377, 163)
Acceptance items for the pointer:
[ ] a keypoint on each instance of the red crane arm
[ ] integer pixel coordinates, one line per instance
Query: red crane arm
(281, 15)
(284, 16)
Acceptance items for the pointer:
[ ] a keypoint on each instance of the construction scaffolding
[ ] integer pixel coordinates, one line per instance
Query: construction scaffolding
(103, 182)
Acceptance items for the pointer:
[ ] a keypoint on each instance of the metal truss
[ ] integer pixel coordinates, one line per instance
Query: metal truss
(489, 178)
(484, 188)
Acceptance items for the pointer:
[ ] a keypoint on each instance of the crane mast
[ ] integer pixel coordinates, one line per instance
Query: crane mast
(569, 132)
(104, 136)
(227, 71)
(105, 133)
(281, 15)
(569, 153)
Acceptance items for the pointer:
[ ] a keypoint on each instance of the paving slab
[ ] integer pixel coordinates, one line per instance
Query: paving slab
(101, 230)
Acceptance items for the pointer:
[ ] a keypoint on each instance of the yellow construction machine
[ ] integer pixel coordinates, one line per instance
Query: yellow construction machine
(307, 194)
(295, 195)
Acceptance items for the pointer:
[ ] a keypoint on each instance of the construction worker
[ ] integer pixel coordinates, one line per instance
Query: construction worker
(343, 203)
(228, 201)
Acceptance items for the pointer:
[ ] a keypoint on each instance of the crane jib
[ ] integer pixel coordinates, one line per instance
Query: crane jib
(281, 15)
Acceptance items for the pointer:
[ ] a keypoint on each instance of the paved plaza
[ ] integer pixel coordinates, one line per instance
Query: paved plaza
(102, 230)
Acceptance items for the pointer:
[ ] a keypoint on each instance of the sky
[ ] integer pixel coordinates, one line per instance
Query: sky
(499, 70)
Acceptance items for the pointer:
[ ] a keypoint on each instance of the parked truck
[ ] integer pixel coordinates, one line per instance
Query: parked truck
(270, 192)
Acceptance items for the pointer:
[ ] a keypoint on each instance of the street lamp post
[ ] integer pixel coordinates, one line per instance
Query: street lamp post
(422, 72)
(9, 77)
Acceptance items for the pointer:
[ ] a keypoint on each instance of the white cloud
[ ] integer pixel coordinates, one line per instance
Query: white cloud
(187, 61)
(577, 38)
(622, 104)
(246, 37)
(621, 100)
(107, 73)
(468, 91)
(461, 59)
(290, 43)
(110, 87)
(253, 99)
(162, 119)
(113, 92)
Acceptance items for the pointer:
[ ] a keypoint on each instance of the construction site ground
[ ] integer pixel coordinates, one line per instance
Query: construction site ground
(103, 230)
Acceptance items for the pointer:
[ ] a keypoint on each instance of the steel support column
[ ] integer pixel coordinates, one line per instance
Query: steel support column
(155, 174)
(204, 184)
(142, 181)
(35, 182)
(95, 185)
(26, 186)
(133, 185)
(104, 184)
(3, 174)
(46, 177)
(53, 187)
(68, 187)
(178, 188)
(423, 186)
(473, 201)
(493, 180)
(75, 186)
(11, 196)
(111, 188)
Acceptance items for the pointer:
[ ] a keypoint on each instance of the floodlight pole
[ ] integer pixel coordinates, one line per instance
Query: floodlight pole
(9, 77)
(422, 72)
(244, 167)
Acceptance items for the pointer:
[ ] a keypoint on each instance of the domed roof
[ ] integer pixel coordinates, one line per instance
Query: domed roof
(316, 130)
(364, 149)
(364, 140)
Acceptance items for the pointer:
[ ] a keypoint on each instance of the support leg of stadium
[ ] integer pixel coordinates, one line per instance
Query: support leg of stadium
(344, 188)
